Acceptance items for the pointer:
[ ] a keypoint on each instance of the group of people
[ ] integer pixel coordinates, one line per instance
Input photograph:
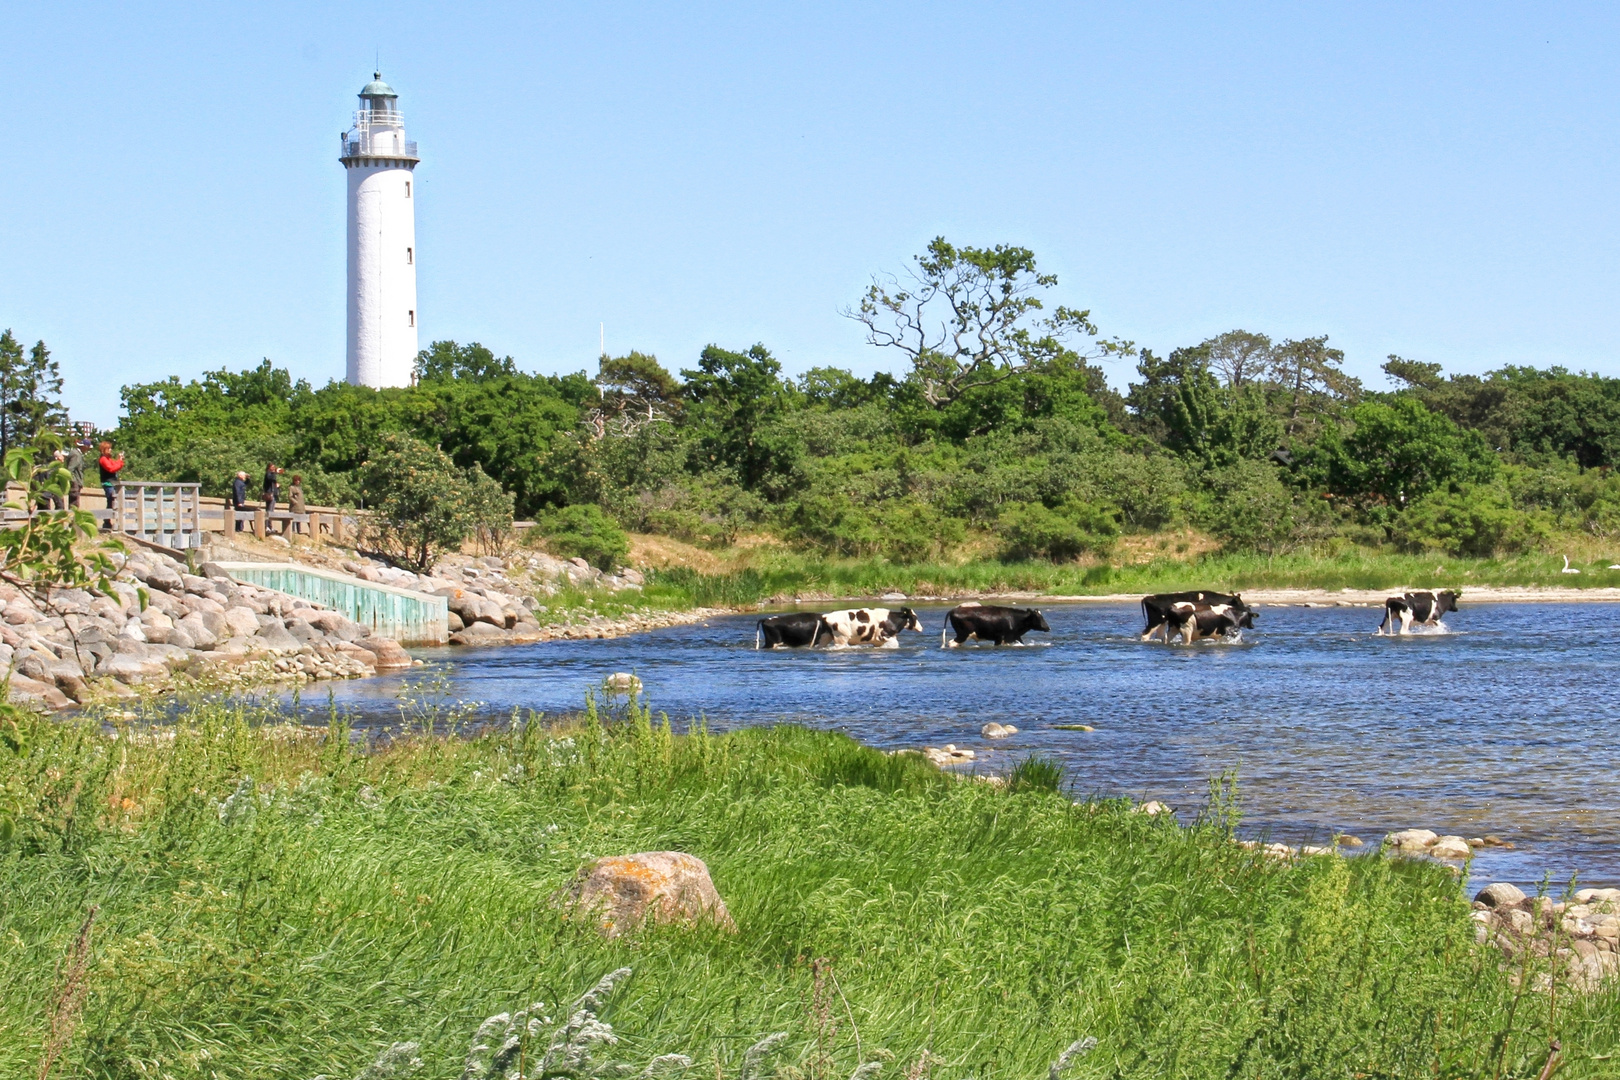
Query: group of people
(270, 492)
(72, 458)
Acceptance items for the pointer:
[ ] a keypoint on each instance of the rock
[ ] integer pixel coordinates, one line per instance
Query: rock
(950, 755)
(620, 894)
(1449, 847)
(20, 612)
(622, 682)
(275, 636)
(634, 577)
(159, 575)
(1409, 841)
(241, 621)
(74, 687)
(37, 694)
(1346, 840)
(479, 633)
(133, 669)
(196, 626)
(301, 630)
(182, 640)
(454, 621)
(1153, 808)
(1500, 895)
(580, 563)
(390, 655)
(994, 730)
(893, 596)
(214, 572)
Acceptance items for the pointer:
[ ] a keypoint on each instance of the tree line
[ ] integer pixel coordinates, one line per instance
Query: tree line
(998, 436)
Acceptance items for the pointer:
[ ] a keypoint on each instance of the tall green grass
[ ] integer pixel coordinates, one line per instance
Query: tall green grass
(783, 575)
(351, 897)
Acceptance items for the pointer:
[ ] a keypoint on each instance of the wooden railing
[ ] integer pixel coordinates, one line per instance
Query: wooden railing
(179, 515)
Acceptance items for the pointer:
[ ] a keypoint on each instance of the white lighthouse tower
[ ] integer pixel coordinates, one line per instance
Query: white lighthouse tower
(382, 241)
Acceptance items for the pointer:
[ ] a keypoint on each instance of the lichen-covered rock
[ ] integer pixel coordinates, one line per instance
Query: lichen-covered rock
(1449, 847)
(621, 893)
(1411, 841)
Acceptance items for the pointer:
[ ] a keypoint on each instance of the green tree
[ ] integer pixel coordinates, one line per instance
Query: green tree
(1395, 453)
(635, 392)
(446, 361)
(734, 399)
(1312, 382)
(1192, 414)
(30, 393)
(421, 504)
(969, 317)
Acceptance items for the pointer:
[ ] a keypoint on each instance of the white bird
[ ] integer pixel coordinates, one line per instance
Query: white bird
(1568, 569)
(1614, 566)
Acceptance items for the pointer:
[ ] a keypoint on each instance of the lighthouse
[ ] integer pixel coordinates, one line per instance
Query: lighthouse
(380, 163)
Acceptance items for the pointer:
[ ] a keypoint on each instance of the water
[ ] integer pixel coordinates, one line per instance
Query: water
(1505, 724)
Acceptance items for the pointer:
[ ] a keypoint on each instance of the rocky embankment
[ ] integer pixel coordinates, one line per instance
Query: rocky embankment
(496, 601)
(74, 647)
(1584, 937)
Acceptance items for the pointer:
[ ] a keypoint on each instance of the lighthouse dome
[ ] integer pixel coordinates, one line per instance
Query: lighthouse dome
(376, 88)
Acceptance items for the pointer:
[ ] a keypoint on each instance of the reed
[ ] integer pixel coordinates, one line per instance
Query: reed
(278, 900)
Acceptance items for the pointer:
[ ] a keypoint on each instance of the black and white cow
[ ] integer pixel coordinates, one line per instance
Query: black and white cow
(795, 630)
(871, 626)
(1194, 622)
(987, 622)
(1424, 608)
(1156, 608)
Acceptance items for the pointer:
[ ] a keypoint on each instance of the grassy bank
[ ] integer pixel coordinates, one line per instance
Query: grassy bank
(271, 902)
(756, 575)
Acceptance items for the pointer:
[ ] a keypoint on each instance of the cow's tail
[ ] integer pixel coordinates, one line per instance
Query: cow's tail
(1147, 620)
(1389, 612)
(945, 631)
(759, 633)
(816, 633)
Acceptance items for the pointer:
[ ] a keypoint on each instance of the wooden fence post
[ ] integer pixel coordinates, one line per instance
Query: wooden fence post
(259, 523)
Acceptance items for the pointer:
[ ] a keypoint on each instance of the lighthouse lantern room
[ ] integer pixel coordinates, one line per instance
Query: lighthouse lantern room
(382, 241)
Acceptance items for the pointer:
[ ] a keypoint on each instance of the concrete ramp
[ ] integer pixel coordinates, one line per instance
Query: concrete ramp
(410, 618)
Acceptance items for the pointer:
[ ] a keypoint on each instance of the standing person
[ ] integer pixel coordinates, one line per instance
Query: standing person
(272, 485)
(295, 499)
(75, 468)
(109, 466)
(239, 496)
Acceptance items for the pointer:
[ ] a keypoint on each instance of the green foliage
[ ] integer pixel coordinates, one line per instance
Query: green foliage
(30, 394)
(1072, 529)
(1248, 508)
(1036, 773)
(43, 553)
(1478, 520)
(1397, 452)
(582, 532)
(397, 894)
(422, 504)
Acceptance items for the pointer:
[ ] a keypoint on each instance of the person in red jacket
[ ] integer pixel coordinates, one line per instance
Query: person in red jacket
(109, 470)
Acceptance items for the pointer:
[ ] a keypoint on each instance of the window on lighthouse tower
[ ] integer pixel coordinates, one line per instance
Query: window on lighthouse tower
(410, 317)
(407, 189)
(408, 259)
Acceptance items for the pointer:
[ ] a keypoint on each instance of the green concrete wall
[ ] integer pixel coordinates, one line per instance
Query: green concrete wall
(410, 618)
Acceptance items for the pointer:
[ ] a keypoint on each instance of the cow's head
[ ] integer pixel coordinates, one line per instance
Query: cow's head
(1037, 621)
(906, 619)
(1446, 600)
(1243, 617)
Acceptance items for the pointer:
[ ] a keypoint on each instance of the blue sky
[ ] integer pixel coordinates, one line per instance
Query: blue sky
(1432, 180)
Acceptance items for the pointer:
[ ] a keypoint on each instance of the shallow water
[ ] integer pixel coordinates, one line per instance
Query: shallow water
(1504, 724)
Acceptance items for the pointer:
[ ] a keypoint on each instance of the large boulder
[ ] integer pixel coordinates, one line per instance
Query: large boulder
(199, 627)
(621, 893)
(36, 694)
(1411, 841)
(391, 656)
(480, 633)
(242, 621)
(158, 575)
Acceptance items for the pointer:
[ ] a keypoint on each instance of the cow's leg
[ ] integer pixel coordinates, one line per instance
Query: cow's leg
(890, 643)
(1406, 621)
(1154, 628)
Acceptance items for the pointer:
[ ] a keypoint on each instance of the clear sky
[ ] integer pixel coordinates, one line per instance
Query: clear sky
(1432, 180)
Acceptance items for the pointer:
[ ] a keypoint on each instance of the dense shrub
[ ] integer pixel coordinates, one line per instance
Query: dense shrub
(1030, 530)
(581, 532)
(1479, 520)
(1247, 507)
(423, 505)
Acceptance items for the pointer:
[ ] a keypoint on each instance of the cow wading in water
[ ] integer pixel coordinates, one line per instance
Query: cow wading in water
(871, 626)
(1195, 622)
(1156, 609)
(988, 622)
(795, 630)
(1423, 608)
